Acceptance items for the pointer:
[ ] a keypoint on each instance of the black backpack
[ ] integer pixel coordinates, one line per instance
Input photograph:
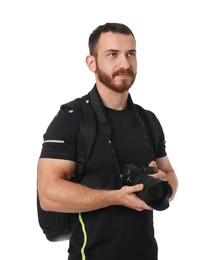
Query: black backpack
(56, 225)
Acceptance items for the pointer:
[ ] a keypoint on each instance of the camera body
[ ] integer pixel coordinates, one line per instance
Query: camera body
(156, 192)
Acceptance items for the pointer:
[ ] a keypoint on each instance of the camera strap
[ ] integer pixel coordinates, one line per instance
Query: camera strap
(103, 123)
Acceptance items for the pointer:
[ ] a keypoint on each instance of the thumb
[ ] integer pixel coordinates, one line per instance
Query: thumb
(153, 164)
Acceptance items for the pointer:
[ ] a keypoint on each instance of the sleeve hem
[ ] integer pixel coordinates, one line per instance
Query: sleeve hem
(58, 156)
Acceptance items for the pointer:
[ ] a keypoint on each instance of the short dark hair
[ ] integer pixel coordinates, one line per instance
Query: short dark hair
(108, 27)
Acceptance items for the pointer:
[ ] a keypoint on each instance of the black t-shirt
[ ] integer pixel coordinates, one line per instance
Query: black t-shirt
(116, 232)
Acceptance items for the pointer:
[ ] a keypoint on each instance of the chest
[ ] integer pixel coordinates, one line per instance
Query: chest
(131, 139)
(131, 143)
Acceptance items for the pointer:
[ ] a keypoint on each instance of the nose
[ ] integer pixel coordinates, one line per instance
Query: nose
(124, 62)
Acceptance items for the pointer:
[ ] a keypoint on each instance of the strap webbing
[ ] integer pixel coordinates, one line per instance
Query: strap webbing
(103, 123)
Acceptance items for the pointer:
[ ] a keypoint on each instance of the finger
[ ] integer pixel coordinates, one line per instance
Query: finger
(137, 187)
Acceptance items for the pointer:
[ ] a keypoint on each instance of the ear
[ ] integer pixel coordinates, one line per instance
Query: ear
(91, 63)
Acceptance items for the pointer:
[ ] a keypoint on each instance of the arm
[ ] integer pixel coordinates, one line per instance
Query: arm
(166, 171)
(57, 193)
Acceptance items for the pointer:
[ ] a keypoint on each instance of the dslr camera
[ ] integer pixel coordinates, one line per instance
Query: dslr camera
(156, 192)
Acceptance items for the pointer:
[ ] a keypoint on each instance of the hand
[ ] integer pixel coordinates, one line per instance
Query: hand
(127, 197)
(159, 174)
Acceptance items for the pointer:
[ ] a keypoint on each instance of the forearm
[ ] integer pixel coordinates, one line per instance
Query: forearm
(166, 171)
(66, 196)
(173, 181)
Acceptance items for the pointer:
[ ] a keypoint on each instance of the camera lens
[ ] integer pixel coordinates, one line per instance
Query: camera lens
(155, 194)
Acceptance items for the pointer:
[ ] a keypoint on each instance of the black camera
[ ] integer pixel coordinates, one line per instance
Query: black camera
(156, 192)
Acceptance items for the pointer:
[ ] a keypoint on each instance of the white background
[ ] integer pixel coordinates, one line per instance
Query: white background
(43, 45)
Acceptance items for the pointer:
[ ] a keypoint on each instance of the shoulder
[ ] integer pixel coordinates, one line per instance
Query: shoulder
(147, 114)
(76, 103)
(75, 114)
(68, 116)
(77, 106)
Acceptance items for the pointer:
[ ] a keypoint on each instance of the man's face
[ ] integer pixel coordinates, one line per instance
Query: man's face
(116, 64)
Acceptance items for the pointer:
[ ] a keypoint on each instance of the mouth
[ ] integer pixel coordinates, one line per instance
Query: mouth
(123, 74)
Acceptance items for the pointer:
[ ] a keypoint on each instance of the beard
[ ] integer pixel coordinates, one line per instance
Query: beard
(108, 81)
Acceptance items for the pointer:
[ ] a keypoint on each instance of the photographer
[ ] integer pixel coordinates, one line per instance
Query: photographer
(110, 222)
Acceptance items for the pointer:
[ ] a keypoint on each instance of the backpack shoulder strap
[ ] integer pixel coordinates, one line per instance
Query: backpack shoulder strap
(103, 123)
(151, 122)
(87, 132)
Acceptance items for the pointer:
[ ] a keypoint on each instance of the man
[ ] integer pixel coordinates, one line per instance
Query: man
(110, 222)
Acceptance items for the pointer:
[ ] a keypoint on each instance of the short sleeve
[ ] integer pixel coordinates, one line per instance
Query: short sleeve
(158, 134)
(60, 138)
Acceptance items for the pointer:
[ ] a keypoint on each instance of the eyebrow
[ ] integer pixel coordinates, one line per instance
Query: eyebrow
(113, 50)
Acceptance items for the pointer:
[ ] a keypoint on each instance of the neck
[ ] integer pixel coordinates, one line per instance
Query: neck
(112, 99)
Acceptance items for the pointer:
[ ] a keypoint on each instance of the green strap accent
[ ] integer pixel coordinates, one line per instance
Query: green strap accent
(85, 236)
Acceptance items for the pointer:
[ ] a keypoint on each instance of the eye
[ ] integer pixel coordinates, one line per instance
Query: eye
(132, 53)
(112, 54)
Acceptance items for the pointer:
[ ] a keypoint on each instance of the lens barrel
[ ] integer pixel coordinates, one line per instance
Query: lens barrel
(156, 194)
